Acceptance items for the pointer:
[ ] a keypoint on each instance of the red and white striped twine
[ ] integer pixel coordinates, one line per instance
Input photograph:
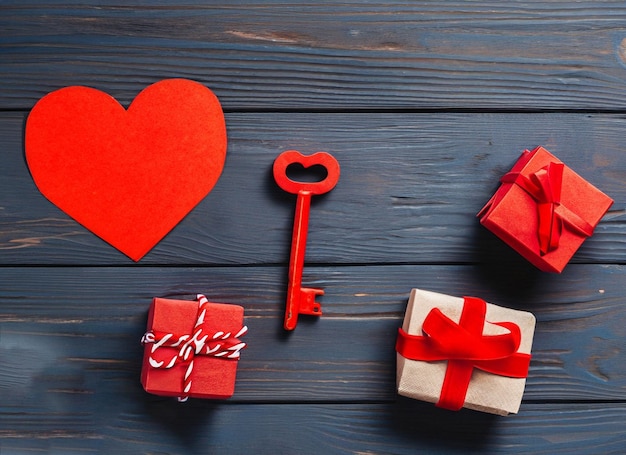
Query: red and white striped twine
(220, 344)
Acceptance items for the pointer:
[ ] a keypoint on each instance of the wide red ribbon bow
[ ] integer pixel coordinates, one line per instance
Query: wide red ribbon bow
(465, 347)
(545, 186)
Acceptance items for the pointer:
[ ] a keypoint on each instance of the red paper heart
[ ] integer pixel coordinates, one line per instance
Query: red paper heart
(129, 176)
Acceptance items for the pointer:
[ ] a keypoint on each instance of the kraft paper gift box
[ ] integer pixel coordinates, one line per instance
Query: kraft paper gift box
(463, 352)
(544, 210)
(191, 348)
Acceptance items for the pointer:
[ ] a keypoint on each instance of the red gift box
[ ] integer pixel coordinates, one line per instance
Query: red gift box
(192, 348)
(544, 210)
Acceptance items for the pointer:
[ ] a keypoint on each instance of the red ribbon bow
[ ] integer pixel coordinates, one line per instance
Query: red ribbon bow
(544, 186)
(465, 347)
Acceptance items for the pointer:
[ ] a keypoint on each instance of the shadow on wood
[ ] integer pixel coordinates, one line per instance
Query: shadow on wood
(185, 421)
(426, 424)
(502, 269)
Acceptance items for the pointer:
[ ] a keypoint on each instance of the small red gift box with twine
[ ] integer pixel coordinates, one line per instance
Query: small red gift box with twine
(544, 210)
(192, 348)
(463, 352)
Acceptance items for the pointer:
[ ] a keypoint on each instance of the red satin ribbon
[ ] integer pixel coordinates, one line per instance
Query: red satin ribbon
(465, 347)
(545, 186)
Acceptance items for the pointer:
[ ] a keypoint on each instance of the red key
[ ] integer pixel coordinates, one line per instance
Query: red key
(302, 300)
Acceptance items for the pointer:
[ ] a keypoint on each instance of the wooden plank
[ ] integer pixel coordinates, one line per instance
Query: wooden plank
(401, 427)
(410, 188)
(72, 331)
(324, 55)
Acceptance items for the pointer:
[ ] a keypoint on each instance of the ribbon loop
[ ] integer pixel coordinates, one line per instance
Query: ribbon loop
(545, 187)
(465, 347)
(549, 180)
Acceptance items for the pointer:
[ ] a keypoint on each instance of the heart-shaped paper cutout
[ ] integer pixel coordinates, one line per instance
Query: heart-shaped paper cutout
(129, 176)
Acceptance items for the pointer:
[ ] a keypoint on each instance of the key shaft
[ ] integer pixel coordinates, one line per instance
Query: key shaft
(300, 300)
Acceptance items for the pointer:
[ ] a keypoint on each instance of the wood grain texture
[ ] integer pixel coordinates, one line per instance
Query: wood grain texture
(324, 55)
(77, 330)
(402, 427)
(410, 188)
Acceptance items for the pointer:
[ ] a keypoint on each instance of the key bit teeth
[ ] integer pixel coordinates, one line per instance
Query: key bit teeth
(308, 305)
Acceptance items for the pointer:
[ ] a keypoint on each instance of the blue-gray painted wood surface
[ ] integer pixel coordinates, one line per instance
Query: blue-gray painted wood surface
(425, 105)
(324, 55)
(410, 188)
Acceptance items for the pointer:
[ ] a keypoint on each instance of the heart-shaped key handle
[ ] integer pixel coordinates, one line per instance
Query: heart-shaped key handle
(326, 160)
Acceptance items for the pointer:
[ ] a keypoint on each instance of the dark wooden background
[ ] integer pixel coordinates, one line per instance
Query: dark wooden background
(425, 105)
